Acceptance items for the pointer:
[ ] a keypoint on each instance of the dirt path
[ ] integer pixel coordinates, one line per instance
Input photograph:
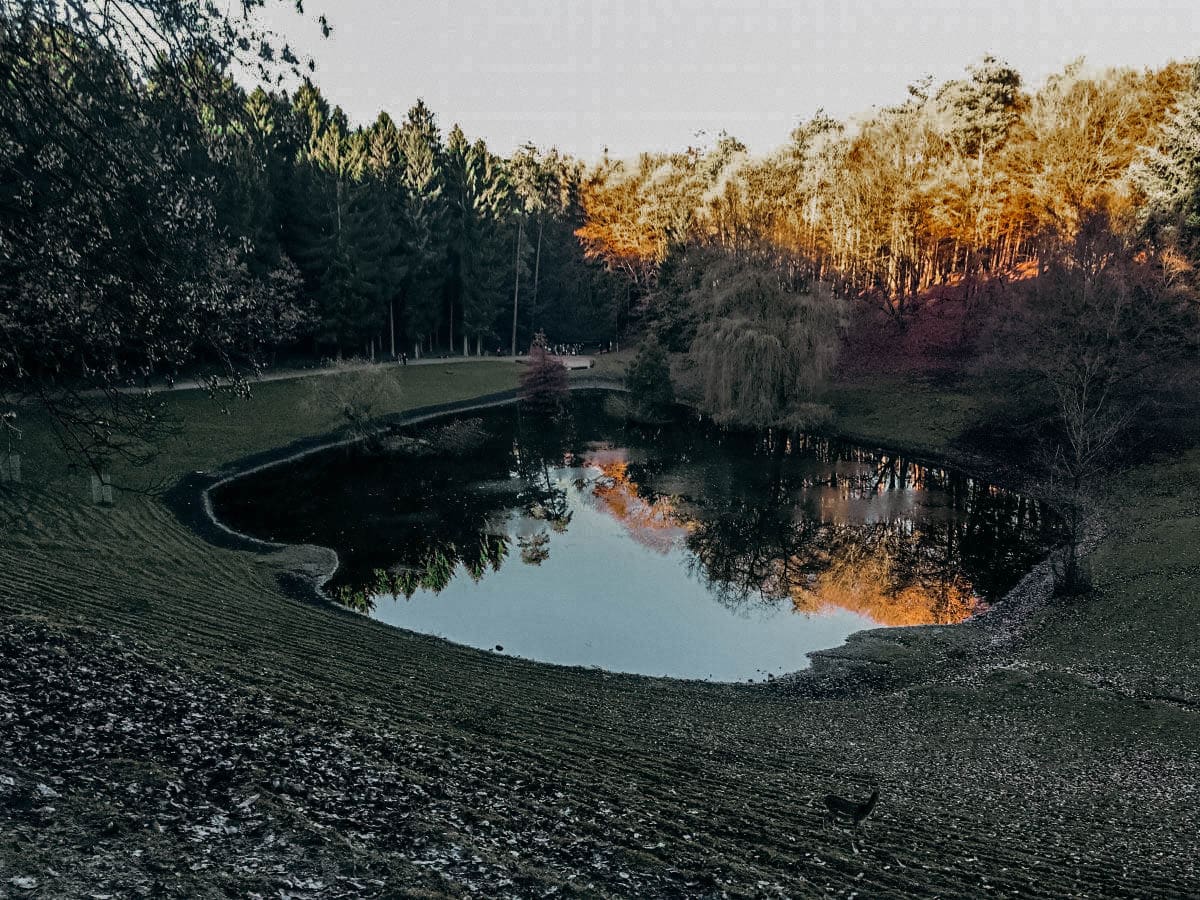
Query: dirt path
(193, 384)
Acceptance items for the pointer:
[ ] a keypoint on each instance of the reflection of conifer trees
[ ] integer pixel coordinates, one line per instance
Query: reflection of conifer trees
(537, 452)
(438, 563)
(535, 548)
(433, 572)
(493, 550)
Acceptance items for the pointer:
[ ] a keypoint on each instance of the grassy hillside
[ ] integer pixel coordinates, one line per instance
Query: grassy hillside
(212, 736)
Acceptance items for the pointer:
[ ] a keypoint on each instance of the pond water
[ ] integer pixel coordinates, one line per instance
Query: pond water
(686, 551)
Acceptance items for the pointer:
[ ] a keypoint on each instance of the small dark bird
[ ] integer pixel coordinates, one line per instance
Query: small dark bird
(851, 809)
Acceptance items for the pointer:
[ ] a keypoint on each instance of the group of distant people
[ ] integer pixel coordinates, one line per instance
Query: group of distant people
(554, 349)
(558, 349)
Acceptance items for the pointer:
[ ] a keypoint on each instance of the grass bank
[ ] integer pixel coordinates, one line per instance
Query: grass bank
(212, 735)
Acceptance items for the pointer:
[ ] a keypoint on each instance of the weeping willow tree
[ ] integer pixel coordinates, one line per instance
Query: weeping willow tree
(769, 339)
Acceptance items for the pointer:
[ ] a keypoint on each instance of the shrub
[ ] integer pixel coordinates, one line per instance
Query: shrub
(543, 387)
(459, 438)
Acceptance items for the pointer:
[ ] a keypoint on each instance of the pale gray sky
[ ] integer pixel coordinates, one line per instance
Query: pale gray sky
(648, 75)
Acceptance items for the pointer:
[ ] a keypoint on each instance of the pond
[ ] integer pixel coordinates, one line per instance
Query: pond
(686, 550)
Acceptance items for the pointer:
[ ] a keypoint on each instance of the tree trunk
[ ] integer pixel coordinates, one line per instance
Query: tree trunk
(392, 324)
(516, 285)
(466, 348)
(537, 264)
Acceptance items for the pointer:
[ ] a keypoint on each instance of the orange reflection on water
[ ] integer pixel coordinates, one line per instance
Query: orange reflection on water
(866, 582)
(653, 524)
(856, 571)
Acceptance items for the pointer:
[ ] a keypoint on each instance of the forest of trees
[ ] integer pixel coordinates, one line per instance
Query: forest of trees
(963, 187)
(156, 217)
(155, 213)
(397, 236)
(406, 239)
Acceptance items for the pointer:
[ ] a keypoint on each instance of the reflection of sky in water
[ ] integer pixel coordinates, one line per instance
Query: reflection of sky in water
(687, 552)
(603, 599)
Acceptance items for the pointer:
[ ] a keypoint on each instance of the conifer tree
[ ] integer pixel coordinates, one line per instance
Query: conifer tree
(385, 166)
(421, 151)
(649, 382)
(478, 197)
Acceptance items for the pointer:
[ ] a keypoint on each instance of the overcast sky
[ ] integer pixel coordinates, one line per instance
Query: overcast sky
(635, 76)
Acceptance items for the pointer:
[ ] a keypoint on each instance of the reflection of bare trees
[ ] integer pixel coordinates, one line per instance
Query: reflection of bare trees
(751, 552)
(651, 521)
(754, 548)
(890, 572)
(880, 572)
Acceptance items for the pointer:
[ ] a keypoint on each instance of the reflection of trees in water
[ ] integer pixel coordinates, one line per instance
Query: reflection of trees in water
(885, 573)
(750, 547)
(433, 571)
(535, 548)
(770, 518)
(538, 451)
(651, 521)
(466, 532)
(890, 572)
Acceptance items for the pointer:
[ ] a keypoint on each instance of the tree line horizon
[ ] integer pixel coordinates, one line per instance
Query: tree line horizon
(969, 182)
(157, 215)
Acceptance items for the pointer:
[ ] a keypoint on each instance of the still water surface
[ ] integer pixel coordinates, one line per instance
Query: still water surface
(685, 551)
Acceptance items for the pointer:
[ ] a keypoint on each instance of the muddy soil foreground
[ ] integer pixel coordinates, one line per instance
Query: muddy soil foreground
(174, 722)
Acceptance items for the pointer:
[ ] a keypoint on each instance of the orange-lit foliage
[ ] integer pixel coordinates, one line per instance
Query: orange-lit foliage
(860, 574)
(636, 211)
(939, 189)
(618, 229)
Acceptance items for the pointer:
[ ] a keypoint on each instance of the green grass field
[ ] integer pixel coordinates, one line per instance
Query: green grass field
(1055, 756)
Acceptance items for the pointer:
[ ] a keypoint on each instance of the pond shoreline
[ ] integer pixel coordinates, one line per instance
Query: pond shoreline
(858, 664)
(190, 499)
(1058, 767)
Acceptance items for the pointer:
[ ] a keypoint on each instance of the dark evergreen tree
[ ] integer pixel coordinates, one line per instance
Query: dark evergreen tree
(478, 199)
(421, 151)
(385, 165)
(648, 379)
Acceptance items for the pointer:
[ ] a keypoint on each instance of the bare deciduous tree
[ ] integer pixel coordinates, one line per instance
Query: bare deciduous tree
(1102, 324)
